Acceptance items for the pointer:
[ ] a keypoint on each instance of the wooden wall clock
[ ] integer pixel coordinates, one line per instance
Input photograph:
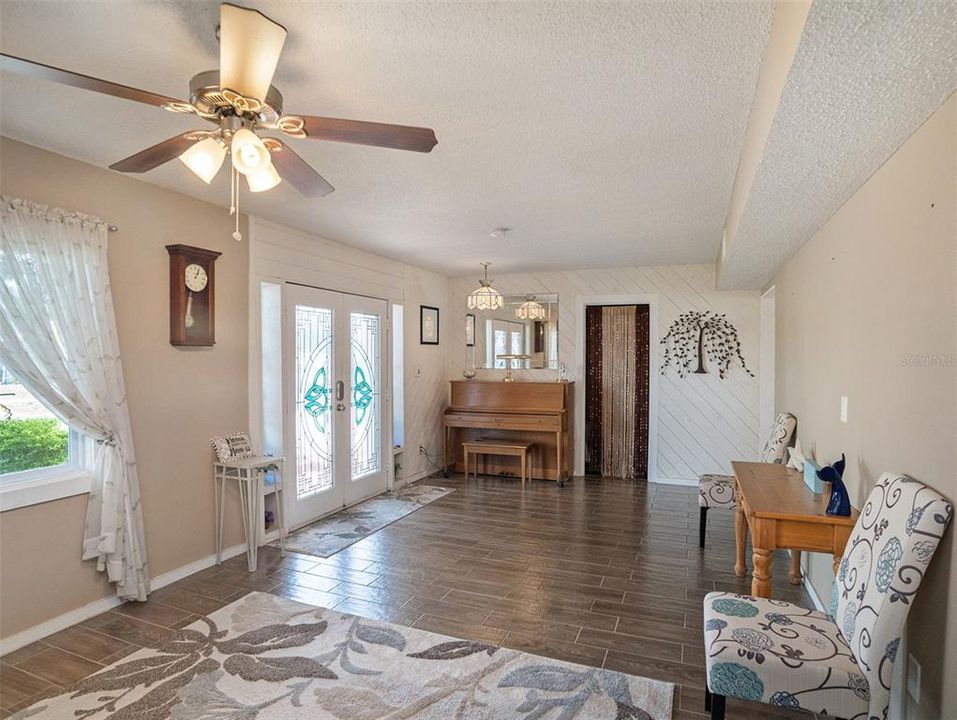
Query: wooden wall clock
(192, 297)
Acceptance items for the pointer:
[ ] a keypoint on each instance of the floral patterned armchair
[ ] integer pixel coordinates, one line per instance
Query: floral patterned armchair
(717, 491)
(838, 663)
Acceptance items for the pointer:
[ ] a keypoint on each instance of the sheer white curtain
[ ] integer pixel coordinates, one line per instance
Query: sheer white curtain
(58, 337)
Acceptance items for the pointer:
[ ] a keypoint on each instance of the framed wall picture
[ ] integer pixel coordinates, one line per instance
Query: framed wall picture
(469, 330)
(428, 325)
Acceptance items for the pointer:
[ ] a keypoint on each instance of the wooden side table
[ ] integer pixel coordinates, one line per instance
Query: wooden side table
(781, 512)
(256, 477)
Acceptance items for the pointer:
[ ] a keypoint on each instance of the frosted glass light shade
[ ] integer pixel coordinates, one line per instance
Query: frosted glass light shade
(204, 158)
(249, 48)
(265, 179)
(485, 298)
(249, 153)
(530, 310)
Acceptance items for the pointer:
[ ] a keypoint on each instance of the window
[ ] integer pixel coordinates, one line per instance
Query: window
(398, 370)
(40, 457)
(503, 337)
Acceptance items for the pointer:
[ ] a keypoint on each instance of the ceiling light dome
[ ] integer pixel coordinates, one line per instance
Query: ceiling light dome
(485, 297)
(530, 310)
(265, 179)
(249, 154)
(205, 158)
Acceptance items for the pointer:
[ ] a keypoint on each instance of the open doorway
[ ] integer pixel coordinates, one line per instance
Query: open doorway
(617, 390)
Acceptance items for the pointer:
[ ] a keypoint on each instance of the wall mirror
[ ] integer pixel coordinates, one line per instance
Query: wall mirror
(526, 326)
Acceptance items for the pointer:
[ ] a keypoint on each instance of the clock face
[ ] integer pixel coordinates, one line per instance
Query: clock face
(196, 277)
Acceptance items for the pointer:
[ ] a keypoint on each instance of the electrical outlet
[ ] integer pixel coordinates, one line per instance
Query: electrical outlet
(913, 678)
(844, 409)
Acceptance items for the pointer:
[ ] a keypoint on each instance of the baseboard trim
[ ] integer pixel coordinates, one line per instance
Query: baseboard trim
(675, 481)
(68, 619)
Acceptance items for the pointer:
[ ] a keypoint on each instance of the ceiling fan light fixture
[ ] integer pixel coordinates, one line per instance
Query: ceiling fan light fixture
(265, 179)
(249, 48)
(205, 158)
(249, 154)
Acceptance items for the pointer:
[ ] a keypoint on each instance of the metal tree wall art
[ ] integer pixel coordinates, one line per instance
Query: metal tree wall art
(702, 334)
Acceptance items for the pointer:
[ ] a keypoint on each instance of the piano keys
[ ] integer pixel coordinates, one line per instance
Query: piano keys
(534, 412)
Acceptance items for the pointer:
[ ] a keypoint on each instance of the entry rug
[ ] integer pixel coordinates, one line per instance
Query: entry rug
(331, 534)
(269, 658)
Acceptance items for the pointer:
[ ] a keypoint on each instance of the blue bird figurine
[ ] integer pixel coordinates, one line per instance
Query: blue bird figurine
(840, 503)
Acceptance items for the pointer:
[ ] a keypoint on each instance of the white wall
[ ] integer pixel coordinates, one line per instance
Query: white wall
(703, 422)
(283, 254)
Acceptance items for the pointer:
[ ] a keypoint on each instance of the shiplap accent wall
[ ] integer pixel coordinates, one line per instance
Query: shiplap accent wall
(703, 422)
(284, 254)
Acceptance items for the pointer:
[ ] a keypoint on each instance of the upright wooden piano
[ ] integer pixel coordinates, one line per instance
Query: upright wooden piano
(535, 412)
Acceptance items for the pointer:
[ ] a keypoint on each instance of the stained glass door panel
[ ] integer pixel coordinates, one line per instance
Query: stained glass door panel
(314, 400)
(365, 371)
(313, 436)
(367, 396)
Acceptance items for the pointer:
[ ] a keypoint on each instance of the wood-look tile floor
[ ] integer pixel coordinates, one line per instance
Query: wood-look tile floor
(605, 573)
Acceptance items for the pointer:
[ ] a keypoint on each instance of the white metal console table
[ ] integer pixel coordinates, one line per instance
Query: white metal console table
(256, 477)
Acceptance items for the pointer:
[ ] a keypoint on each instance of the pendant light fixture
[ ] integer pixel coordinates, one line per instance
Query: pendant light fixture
(485, 297)
(530, 310)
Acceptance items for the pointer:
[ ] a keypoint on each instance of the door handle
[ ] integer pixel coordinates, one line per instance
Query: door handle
(340, 390)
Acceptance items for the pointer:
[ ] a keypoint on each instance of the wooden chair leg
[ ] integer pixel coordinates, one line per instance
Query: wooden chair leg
(702, 524)
(717, 707)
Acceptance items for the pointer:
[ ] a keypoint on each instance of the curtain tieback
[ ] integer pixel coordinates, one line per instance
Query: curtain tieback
(108, 440)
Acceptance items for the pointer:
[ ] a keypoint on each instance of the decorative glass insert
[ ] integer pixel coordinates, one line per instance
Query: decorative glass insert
(364, 372)
(314, 401)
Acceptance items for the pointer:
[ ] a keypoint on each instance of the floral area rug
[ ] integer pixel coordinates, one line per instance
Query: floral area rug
(266, 657)
(331, 534)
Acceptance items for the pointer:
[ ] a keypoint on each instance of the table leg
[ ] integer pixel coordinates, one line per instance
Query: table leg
(740, 540)
(523, 470)
(256, 521)
(762, 538)
(795, 576)
(219, 490)
(244, 511)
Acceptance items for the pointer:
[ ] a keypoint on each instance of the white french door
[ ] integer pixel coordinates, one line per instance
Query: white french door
(336, 437)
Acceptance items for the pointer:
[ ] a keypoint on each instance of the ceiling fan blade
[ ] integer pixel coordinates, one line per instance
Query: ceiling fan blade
(155, 156)
(300, 174)
(29, 68)
(249, 48)
(399, 137)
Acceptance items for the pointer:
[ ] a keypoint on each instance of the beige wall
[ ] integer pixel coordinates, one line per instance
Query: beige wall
(868, 309)
(177, 398)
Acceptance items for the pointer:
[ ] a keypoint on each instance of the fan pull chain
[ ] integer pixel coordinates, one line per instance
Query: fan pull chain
(234, 202)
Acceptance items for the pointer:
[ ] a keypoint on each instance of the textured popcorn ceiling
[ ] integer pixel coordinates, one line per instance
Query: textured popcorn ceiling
(604, 134)
(865, 76)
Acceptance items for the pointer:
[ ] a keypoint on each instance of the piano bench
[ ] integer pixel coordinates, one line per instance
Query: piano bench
(496, 447)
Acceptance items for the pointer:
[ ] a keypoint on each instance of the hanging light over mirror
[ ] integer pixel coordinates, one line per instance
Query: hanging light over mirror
(530, 310)
(205, 158)
(485, 297)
